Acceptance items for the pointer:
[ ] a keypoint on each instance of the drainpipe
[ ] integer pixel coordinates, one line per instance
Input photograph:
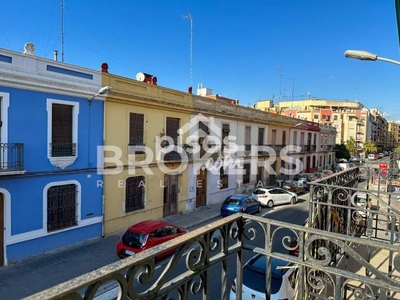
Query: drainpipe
(102, 213)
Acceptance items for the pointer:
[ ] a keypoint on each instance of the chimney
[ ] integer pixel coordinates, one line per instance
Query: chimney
(55, 55)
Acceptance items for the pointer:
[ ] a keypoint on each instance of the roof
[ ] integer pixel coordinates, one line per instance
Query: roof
(148, 226)
(239, 196)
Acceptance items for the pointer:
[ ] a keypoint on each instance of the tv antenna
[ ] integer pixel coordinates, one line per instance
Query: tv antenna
(189, 16)
(62, 30)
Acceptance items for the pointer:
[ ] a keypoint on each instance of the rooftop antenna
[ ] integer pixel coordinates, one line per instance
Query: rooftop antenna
(280, 84)
(62, 30)
(189, 16)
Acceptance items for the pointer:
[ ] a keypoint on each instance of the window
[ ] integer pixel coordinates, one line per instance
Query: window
(134, 193)
(225, 133)
(295, 138)
(284, 138)
(260, 136)
(172, 129)
(335, 118)
(315, 117)
(246, 175)
(223, 179)
(136, 129)
(247, 138)
(273, 138)
(61, 207)
(61, 131)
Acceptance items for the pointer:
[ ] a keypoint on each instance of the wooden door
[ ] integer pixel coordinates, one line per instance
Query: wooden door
(1, 230)
(170, 195)
(201, 188)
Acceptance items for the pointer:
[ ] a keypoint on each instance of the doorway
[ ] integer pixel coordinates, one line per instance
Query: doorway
(170, 195)
(1, 229)
(201, 188)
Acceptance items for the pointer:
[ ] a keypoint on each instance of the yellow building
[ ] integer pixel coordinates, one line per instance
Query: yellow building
(137, 186)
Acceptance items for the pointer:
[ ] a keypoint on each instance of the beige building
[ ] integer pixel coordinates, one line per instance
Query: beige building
(351, 119)
(393, 136)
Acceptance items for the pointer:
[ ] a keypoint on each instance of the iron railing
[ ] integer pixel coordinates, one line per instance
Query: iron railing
(348, 250)
(11, 157)
(62, 149)
(204, 250)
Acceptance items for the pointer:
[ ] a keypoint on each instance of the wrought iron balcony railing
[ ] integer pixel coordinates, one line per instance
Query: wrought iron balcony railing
(11, 157)
(347, 250)
(62, 149)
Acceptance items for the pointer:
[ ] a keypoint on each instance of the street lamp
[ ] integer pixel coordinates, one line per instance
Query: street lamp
(364, 55)
(104, 90)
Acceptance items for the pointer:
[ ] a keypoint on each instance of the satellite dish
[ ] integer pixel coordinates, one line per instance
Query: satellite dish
(140, 76)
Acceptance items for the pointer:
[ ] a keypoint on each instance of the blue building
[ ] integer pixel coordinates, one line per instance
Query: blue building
(51, 117)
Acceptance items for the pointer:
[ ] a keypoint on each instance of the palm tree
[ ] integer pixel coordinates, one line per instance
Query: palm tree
(369, 147)
(351, 146)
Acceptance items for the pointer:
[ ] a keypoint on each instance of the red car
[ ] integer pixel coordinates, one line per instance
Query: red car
(147, 234)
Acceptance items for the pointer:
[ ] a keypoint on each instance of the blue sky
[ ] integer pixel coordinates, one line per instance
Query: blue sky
(240, 47)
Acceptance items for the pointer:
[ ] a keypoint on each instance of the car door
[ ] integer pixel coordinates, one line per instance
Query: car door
(251, 204)
(286, 197)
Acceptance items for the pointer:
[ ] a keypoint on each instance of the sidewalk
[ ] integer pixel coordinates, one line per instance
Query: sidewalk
(33, 275)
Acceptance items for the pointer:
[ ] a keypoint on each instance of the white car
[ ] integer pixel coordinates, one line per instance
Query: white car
(274, 196)
(283, 279)
(371, 156)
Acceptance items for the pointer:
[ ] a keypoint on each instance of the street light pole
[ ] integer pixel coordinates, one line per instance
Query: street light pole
(365, 55)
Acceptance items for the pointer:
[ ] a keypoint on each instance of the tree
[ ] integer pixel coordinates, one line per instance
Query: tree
(351, 146)
(369, 147)
(397, 149)
(342, 152)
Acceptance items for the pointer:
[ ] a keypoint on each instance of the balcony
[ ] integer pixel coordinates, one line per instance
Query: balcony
(11, 158)
(346, 251)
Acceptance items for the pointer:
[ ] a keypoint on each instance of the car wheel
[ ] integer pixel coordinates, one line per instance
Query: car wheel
(259, 208)
(270, 203)
(293, 200)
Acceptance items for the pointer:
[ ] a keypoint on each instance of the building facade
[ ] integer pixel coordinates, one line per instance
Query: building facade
(49, 189)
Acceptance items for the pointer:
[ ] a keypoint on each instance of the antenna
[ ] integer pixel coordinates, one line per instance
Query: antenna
(280, 85)
(62, 30)
(189, 16)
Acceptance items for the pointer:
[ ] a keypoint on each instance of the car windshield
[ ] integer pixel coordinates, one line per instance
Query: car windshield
(254, 275)
(133, 239)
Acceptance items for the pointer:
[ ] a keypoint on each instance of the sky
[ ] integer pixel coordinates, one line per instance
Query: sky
(248, 50)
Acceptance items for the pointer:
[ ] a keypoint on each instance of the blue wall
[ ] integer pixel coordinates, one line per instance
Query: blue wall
(27, 124)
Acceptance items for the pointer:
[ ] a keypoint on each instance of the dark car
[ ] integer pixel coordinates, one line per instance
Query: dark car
(319, 175)
(294, 186)
(239, 203)
(147, 234)
(305, 178)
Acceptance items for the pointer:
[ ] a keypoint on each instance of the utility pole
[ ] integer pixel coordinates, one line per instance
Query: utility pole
(189, 16)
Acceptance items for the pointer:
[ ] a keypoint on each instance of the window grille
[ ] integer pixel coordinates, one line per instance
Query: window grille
(246, 176)
(61, 207)
(134, 193)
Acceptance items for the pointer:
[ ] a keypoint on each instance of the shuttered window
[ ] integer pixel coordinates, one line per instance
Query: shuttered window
(136, 129)
(172, 129)
(61, 131)
(246, 175)
(134, 193)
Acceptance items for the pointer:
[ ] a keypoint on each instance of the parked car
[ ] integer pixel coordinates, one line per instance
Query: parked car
(306, 178)
(327, 172)
(294, 186)
(319, 175)
(283, 279)
(371, 156)
(274, 196)
(240, 203)
(147, 234)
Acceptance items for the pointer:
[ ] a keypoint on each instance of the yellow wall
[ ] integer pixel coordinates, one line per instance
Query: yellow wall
(156, 104)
